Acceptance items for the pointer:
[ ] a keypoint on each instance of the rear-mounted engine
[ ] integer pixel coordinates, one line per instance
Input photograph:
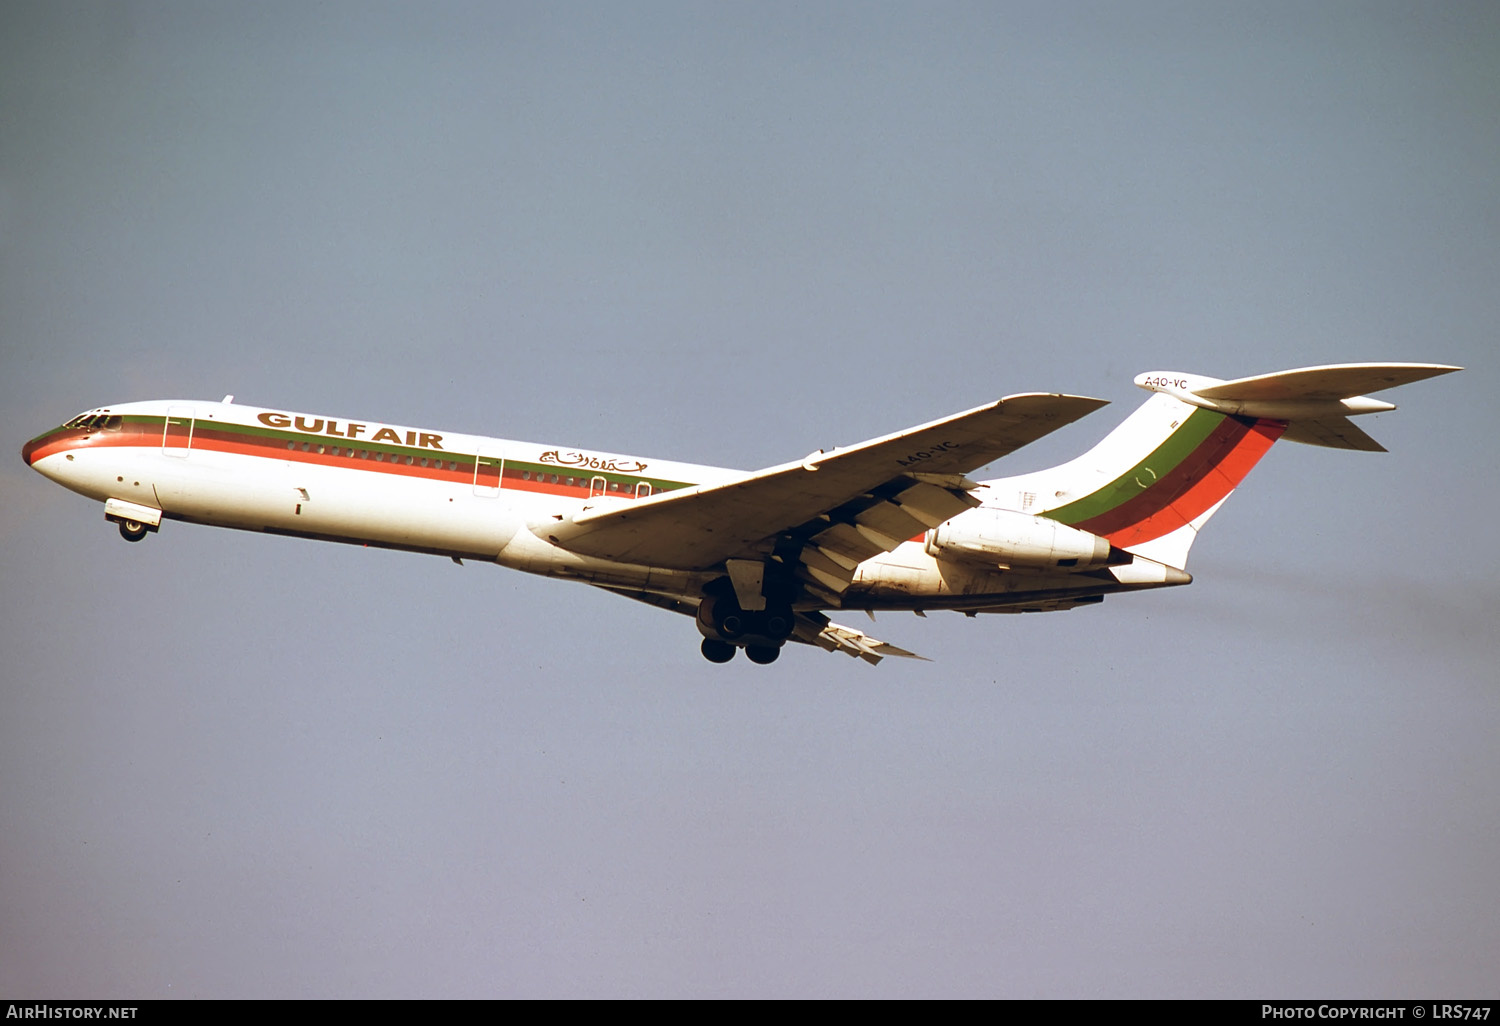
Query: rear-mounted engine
(1006, 538)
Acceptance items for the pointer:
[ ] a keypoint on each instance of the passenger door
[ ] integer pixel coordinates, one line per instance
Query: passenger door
(177, 431)
(489, 467)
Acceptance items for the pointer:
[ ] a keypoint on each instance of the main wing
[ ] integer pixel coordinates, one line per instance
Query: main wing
(830, 511)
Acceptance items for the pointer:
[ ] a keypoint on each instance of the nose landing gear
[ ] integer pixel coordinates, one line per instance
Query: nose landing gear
(136, 521)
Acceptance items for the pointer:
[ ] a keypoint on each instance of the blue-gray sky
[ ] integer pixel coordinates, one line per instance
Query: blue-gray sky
(235, 765)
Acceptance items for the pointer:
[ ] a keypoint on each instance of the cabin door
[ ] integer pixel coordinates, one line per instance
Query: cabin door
(489, 468)
(177, 433)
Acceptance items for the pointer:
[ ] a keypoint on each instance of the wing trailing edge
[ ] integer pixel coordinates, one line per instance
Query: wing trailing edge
(891, 488)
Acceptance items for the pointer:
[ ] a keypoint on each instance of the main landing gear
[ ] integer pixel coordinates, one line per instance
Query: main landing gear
(762, 655)
(132, 530)
(726, 627)
(723, 651)
(717, 651)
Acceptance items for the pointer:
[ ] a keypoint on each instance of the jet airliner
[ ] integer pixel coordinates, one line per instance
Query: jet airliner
(754, 558)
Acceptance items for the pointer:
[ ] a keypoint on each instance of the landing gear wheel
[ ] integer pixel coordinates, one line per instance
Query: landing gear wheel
(778, 622)
(717, 651)
(132, 530)
(762, 654)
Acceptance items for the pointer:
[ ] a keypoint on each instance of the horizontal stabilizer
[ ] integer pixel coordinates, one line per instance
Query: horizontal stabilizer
(1335, 381)
(1332, 433)
(1314, 402)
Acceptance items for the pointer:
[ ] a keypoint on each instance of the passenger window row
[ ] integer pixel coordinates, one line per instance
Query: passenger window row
(640, 489)
(373, 454)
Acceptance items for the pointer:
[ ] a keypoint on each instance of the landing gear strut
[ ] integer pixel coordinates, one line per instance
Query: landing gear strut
(726, 627)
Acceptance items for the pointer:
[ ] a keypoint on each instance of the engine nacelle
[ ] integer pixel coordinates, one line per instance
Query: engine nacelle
(1008, 538)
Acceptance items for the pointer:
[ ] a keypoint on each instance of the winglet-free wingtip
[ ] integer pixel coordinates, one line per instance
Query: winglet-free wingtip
(1085, 403)
(874, 657)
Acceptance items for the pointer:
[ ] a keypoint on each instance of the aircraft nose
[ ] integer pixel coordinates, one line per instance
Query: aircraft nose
(29, 448)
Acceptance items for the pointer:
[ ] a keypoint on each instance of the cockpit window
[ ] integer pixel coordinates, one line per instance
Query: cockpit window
(95, 422)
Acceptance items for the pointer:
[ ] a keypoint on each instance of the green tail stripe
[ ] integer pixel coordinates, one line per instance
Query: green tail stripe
(1163, 459)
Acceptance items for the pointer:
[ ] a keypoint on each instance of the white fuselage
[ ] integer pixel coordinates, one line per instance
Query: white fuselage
(458, 495)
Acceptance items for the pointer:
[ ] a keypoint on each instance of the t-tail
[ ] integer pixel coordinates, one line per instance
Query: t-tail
(1154, 481)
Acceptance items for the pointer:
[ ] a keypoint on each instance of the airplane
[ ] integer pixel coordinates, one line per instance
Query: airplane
(893, 523)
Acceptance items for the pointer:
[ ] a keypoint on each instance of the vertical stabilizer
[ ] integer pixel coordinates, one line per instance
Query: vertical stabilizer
(1153, 481)
(1156, 479)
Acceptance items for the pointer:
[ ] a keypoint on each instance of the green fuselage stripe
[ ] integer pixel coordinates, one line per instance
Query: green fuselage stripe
(1163, 459)
(274, 443)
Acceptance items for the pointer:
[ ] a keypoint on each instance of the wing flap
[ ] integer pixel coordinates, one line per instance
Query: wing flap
(931, 505)
(887, 525)
(844, 542)
(817, 629)
(816, 565)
